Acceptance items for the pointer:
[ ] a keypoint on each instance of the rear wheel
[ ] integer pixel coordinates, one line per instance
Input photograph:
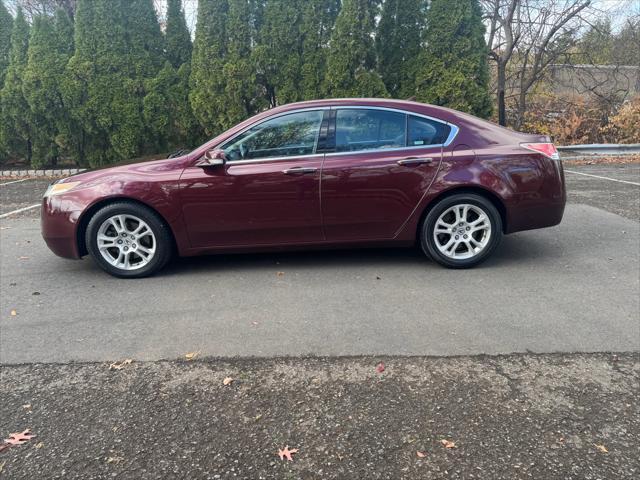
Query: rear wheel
(461, 231)
(128, 240)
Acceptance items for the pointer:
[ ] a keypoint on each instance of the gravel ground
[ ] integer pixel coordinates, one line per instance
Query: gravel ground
(510, 417)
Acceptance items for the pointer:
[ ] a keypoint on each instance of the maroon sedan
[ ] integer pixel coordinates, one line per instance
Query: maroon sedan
(327, 173)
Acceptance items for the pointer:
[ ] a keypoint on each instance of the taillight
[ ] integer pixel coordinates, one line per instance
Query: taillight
(547, 149)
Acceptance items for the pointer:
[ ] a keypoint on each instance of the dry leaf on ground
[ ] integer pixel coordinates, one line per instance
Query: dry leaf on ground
(602, 448)
(286, 453)
(448, 443)
(421, 454)
(380, 367)
(13, 313)
(280, 274)
(191, 355)
(19, 438)
(120, 365)
(227, 381)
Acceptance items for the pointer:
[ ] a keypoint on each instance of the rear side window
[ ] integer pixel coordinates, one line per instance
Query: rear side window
(423, 131)
(363, 129)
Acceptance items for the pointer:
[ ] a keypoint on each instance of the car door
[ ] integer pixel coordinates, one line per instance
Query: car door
(382, 164)
(266, 193)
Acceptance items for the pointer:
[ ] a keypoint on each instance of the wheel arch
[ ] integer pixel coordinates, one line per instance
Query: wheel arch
(488, 194)
(86, 216)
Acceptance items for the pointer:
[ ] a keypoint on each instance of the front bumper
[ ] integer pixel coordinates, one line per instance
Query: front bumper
(59, 224)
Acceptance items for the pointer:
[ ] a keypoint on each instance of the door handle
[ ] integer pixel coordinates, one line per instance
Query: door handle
(299, 170)
(414, 161)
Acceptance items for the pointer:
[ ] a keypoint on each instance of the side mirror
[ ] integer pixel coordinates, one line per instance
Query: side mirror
(214, 157)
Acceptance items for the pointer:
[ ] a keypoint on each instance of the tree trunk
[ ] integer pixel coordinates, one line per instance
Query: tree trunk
(502, 80)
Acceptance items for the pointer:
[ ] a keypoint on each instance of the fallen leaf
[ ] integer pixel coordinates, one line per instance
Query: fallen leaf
(23, 258)
(114, 459)
(120, 365)
(421, 454)
(380, 367)
(286, 453)
(39, 445)
(280, 274)
(13, 313)
(35, 293)
(602, 448)
(191, 355)
(27, 406)
(2, 465)
(448, 443)
(19, 438)
(227, 381)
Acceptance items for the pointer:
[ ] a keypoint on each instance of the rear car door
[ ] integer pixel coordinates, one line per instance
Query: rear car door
(266, 193)
(379, 164)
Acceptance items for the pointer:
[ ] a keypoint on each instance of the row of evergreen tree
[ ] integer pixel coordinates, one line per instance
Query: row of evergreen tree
(111, 84)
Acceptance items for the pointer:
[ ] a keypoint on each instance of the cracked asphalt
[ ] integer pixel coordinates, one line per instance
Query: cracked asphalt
(569, 411)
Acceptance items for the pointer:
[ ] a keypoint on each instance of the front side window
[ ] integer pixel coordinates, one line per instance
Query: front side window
(364, 129)
(289, 135)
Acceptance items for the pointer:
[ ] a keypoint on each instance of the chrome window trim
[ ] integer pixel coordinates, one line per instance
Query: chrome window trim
(452, 134)
(232, 163)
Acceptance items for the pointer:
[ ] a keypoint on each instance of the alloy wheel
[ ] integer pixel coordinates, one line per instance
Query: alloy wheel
(462, 231)
(126, 242)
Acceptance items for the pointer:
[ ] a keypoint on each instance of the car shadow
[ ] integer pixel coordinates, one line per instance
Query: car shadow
(514, 250)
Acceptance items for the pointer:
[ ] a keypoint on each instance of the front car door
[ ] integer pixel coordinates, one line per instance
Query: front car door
(266, 193)
(379, 165)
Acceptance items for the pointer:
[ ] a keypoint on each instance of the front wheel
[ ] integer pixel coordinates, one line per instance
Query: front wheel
(128, 240)
(461, 231)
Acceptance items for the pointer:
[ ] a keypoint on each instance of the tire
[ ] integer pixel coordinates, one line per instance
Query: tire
(463, 239)
(145, 254)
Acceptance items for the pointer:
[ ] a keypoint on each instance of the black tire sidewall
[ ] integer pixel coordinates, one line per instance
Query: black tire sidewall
(159, 228)
(428, 243)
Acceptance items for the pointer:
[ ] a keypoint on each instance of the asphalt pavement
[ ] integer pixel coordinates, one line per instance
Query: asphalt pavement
(571, 288)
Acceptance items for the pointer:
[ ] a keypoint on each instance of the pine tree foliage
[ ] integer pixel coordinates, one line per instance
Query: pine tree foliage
(398, 44)
(453, 65)
(6, 24)
(15, 116)
(177, 39)
(207, 64)
(351, 64)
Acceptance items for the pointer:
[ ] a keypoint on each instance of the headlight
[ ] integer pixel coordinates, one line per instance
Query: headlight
(59, 188)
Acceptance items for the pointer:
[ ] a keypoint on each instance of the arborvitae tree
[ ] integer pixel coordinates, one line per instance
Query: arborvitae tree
(453, 66)
(177, 39)
(207, 76)
(351, 61)
(318, 19)
(278, 54)
(239, 75)
(40, 88)
(15, 116)
(98, 87)
(144, 38)
(398, 44)
(6, 24)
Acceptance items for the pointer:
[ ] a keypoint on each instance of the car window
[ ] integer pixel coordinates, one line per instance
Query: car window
(423, 131)
(364, 129)
(284, 136)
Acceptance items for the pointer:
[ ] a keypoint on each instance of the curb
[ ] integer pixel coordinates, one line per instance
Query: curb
(40, 173)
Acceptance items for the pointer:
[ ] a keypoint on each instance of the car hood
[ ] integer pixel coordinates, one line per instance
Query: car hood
(125, 167)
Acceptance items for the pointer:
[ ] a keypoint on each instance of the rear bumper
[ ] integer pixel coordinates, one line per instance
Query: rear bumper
(59, 226)
(532, 217)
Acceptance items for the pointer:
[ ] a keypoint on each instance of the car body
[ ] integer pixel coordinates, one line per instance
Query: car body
(326, 173)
